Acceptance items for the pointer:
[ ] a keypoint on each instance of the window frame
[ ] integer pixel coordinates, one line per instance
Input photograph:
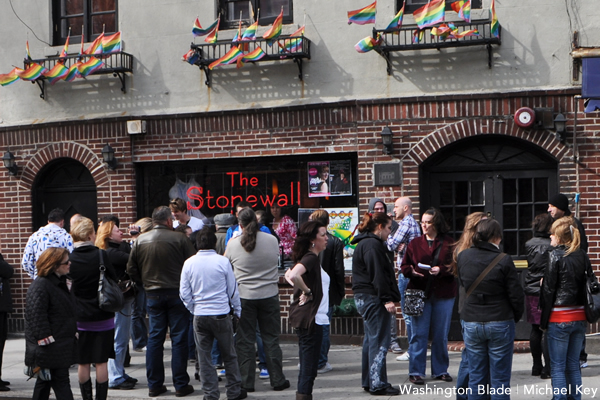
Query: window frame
(58, 18)
(410, 8)
(227, 23)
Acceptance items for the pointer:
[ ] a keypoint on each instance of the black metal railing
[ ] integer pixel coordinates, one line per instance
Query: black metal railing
(294, 48)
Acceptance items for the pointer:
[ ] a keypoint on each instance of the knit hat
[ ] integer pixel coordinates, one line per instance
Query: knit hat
(561, 202)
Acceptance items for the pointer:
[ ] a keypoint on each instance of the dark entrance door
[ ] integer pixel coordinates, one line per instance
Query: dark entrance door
(507, 178)
(67, 184)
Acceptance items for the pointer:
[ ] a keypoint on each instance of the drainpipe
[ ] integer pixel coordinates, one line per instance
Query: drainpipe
(576, 156)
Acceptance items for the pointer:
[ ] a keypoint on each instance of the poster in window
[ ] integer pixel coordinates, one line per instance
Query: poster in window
(342, 224)
(318, 179)
(330, 178)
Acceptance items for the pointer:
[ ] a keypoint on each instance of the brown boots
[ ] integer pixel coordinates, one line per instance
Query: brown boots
(300, 396)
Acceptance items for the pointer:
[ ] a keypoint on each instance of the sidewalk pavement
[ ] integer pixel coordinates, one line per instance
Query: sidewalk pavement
(341, 383)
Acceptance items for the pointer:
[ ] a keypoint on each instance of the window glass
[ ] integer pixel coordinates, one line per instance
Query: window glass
(95, 16)
(103, 5)
(73, 7)
(272, 8)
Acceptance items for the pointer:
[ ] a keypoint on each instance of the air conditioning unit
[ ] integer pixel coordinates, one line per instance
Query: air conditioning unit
(136, 127)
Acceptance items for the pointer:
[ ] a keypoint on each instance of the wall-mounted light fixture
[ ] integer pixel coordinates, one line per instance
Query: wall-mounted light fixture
(560, 126)
(386, 137)
(10, 164)
(108, 155)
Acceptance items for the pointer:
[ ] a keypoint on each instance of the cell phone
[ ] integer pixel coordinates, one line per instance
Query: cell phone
(134, 231)
(424, 266)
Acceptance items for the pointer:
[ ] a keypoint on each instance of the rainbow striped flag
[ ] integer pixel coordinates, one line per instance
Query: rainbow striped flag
(96, 46)
(430, 14)
(238, 33)
(57, 73)
(443, 31)
(363, 16)
(64, 52)
(463, 9)
(73, 72)
(112, 43)
(299, 32)
(418, 36)
(11, 77)
(397, 21)
(250, 32)
(191, 57)
(255, 55)
(27, 53)
(32, 73)
(89, 67)
(273, 33)
(198, 31)
(495, 28)
(291, 46)
(365, 45)
(230, 57)
(214, 34)
(470, 32)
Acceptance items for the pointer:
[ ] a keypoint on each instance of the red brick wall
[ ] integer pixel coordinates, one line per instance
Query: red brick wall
(420, 125)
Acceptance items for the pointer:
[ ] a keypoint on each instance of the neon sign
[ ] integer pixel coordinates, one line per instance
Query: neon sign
(239, 181)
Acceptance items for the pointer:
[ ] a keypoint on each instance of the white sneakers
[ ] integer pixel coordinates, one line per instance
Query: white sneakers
(403, 357)
(326, 368)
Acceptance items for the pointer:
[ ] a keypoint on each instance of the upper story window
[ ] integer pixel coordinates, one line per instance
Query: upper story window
(93, 16)
(413, 5)
(269, 10)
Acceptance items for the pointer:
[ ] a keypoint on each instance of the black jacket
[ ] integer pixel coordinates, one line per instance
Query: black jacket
(373, 268)
(499, 296)
(118, 253)
(85, 272)
(6, 272)
(538, 250)
(50, 311)
(564, 281)
(332, 261)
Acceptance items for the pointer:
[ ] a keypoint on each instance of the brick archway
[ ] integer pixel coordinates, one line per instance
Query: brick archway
(469, 128)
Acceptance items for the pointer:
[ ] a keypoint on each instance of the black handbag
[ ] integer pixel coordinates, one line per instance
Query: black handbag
(110, 296)
(414, 299)
(592, 296)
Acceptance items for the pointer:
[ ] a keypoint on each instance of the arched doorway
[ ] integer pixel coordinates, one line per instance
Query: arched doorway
(506, 177)
(67, 184)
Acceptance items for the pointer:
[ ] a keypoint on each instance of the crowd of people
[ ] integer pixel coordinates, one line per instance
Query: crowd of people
(214, 286)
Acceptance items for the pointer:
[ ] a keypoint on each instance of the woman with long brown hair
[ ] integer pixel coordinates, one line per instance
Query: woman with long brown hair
(376, 294)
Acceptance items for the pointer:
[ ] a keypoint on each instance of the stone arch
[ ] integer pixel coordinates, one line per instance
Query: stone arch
(469, 128)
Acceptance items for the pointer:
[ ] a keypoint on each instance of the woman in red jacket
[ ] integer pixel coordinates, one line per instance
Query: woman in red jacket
(433, 249)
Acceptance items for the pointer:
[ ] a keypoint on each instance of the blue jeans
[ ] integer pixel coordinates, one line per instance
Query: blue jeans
(116, 370)
(309, 350)
(166, 310)
(489, 347)
(326, 343)
(402, 283)
(564, 345)
(376, 321)
(139, 330)
(435, 318)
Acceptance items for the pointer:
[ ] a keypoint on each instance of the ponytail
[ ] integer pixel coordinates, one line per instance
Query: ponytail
(247, 219)
(371, 221)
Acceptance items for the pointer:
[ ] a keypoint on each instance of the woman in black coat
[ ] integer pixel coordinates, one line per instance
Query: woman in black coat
(50, 326)
(6, 272)
(96, 327)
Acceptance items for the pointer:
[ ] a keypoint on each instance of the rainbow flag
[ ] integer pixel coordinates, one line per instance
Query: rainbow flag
(444, 31)
(96, 46)
(299, 32)
(430, 14)
(470, 32)
(463, 9)
(89, 67)
(238, 33)
(27, 53)
(418, 36)
(64, 52)
(214, 34)
(255, 55)
(397, 21)
(190, 57)
(57, 73)
(11, 77)
(291, 46)
(365, 45)
(73, 72)
(112, 43)
(198, 31)
(32, 73)
(273, 33)
(495, 28)
(230, 57)
(363, 16)
(250, 32)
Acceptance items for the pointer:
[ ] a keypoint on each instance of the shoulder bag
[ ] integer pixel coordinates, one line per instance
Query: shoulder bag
(110, 296)
(592, 296)
(414, 299)
(481, 276)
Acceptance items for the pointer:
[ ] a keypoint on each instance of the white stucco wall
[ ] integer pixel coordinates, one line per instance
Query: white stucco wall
(536, 41)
